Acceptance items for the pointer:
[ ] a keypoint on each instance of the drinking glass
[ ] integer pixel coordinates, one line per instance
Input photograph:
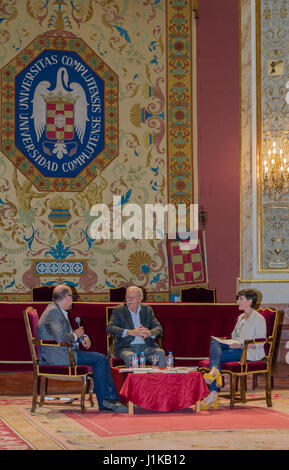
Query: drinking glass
(155, 360)
(131, 362)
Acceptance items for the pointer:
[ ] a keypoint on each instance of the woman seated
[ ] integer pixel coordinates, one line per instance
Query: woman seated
(250, 325)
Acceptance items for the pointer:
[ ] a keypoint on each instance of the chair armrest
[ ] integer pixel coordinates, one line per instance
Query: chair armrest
(159, 340)
(244, 353)
(252, 341)
(256, 340)
(111, 344)
(112, 340)
(48, 342)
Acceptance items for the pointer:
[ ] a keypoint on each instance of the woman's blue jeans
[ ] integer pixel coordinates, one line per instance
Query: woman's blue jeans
(219, 353)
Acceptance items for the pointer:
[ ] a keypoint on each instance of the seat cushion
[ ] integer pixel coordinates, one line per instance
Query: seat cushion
(251, 366)
(204, 364)
(116, 362)
(65, 370)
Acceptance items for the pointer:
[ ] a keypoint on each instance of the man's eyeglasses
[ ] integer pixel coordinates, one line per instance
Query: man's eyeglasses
(69, 295)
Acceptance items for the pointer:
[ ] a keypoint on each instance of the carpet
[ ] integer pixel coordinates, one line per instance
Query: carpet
(9, 439)
(66, 428)
(144, 421)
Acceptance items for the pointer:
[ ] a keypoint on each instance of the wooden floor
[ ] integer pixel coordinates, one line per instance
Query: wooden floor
(20, 383)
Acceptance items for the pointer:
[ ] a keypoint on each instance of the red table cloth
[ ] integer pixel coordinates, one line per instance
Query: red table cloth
(164, 392)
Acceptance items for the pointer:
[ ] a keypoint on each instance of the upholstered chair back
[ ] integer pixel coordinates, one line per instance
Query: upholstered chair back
(272, 325)
(31, 327)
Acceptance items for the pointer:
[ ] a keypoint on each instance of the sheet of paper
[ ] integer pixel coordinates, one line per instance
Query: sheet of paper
(146, 370)
(224, 341)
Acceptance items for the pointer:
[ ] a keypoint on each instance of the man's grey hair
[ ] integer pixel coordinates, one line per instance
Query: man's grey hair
(138, 290)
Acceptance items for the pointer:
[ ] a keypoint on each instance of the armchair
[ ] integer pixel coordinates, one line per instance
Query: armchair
(110, 340)
(117, 294)
(198, 294)
(42, 373)
(241, 369)
(42, 294)
(117, 363)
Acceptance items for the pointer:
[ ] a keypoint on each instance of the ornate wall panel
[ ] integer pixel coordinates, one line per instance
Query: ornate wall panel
(272, 61)
(96, 103)
(264, 39)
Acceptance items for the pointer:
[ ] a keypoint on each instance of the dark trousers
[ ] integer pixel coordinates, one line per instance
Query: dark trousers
(126, 354)
(102, 378)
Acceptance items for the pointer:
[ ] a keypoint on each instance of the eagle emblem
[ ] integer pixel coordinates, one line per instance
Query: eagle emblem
(61, 113)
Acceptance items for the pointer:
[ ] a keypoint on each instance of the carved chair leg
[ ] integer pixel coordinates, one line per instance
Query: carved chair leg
(223, 381)
(43, 389)
(90, 390)
(255, 381)
(35, 393)
(83, 391)
(233, 382)
(243, 388)
(268, 389)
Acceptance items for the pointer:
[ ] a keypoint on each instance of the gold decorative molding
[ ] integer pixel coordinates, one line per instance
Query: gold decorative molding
(264, 280)
(196, 8)
(271, 124)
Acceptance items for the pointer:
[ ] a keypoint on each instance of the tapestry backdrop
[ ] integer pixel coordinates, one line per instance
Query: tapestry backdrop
(95, 108)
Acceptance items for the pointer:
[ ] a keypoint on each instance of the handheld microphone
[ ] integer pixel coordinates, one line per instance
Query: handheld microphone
(78, 321)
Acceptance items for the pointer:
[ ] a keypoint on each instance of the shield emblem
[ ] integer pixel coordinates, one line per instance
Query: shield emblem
(60, 118)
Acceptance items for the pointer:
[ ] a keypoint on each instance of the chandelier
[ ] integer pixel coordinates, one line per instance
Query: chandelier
(275, 170)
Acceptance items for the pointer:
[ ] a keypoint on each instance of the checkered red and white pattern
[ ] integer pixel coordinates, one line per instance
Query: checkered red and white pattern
(187, 267)
(66, 132)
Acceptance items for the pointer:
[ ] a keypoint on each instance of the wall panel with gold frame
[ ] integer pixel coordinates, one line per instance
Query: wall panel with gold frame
(263, 38)
(272, 133)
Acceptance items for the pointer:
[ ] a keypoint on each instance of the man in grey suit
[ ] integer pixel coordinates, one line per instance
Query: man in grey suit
(54, 325)
(135, 328)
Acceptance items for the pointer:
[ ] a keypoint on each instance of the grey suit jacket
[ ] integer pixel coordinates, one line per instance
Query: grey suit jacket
(54, 326)
(121, 320)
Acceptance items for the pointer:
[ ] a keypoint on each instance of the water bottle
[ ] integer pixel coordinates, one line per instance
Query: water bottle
(170, 360)
(142, 360)
(135, 361)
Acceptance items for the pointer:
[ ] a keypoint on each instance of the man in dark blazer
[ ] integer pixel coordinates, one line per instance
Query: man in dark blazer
(54, 325)
(135, 328)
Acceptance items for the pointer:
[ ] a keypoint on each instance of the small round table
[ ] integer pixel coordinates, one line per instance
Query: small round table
(164, 391)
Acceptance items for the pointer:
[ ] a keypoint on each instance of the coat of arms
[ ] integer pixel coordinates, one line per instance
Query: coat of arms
(63, 97)
(60, 112)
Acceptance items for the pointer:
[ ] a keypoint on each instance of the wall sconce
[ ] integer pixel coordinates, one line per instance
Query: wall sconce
(203, 217)
(275, 171)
